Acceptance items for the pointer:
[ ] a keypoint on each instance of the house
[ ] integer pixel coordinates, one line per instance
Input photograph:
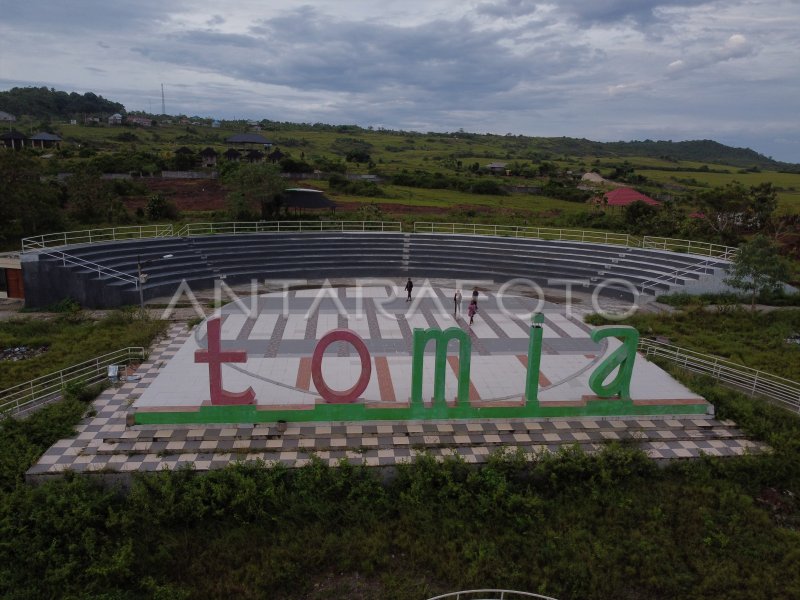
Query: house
(254, 156)
(13, 139)
(626, 196)
(275, 156)
(45, 140)
(232, 155)
(7, 117)
(140, 121)
(208, 156)
(115, 119)
(248, 138)
(497, 168)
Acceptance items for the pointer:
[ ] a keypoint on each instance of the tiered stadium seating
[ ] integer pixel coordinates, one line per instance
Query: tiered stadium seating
(239, 258)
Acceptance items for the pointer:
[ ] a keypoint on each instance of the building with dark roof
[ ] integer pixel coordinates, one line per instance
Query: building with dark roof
(300, 198)
(209, 157)
(45, 140)
(248, 138)
(254, 156)
(13, 139)
(232, 155)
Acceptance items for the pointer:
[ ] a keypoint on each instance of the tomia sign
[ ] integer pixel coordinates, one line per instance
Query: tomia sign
(609, 397)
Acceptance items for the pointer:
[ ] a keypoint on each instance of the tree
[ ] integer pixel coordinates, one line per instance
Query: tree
(255, 188)
(758, 268)
(27, 206)
(89, 196)
(733, 209)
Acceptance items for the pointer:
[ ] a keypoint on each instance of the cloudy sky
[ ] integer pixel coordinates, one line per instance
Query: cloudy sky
(602, 69)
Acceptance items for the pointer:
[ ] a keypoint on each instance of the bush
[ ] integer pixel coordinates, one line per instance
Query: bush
(159, 208)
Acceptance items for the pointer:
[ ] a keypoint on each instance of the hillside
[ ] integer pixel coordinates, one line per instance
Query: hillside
(43, 103)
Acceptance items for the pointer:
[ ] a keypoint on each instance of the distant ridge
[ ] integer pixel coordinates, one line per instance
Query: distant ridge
(44, 103)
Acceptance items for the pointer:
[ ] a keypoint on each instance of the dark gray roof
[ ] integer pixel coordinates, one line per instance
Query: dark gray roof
(13, 135)
(306, 198)
(247, 138)
(46, 137)
(208, 152)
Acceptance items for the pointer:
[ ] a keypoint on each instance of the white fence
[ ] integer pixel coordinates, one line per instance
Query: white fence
(751, 381)
(490, 595)
(238, 227)
(90, 236)
(49, 387)
(541, 233)
(689, 247)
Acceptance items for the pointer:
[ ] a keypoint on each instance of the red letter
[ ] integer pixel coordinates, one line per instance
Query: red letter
(214, 356)
(347, 396)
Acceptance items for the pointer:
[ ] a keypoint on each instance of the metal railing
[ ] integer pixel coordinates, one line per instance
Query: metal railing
(101, 270)
(490, 595)
(49, 387)
(240, 227)
(751, 381)
(689, 247)
(542, 233)
(677, 274)
(90, 236)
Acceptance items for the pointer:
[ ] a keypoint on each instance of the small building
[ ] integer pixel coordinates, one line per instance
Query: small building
(306, 198)
(254, 156)
(232, 155)
(248, 138)
(7, 117)
(115, 119)
(45, 140)
(208, 157)
(498, 168)
(275, 156)
(13, 139)
(11, 276)
(139, 121)
(626, 196)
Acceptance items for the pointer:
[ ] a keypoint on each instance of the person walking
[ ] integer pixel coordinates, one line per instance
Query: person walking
(457, 303)
(475, 296)
(408, 288)
(473, 308)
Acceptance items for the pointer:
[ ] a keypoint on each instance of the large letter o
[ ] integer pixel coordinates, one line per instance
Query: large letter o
(347, 396)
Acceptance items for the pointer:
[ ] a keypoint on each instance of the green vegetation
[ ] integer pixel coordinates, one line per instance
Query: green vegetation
(71, 338)
(44, 103)
(570, 525)
(757, 340)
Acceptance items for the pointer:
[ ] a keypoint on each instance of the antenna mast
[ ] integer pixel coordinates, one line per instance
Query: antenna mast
(163, 105)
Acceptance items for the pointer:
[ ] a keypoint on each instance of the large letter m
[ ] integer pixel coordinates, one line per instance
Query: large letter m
(441, 339)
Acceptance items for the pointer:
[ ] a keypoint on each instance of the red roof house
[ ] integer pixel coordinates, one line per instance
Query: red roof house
(626, 196)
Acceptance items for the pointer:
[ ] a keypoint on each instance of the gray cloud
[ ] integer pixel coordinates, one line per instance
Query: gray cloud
(588, 12)
(439, 63)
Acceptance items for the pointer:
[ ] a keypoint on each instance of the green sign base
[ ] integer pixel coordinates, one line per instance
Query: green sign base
(439, 411)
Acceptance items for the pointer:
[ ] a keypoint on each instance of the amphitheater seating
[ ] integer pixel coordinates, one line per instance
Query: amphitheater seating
(239, 258)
